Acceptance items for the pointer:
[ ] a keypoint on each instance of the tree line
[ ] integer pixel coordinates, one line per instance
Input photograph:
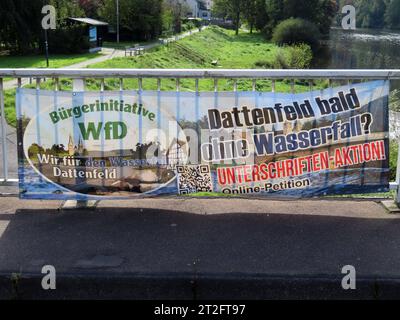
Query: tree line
(21, 31)
(265, 15)
(376, 14)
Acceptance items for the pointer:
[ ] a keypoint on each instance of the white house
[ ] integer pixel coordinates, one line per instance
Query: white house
(199, 8)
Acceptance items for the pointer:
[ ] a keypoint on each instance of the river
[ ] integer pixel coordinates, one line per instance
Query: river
(364, 49)
(360, 49)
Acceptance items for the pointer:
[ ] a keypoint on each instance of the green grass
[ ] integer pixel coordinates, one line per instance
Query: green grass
(39, 61)
(199, 51)
(35, 61)
(124, 44)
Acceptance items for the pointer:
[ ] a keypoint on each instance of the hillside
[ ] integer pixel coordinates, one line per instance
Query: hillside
(246, 51)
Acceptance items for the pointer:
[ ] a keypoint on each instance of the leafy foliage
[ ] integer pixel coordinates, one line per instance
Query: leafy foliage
(139, 20)
(295, 31)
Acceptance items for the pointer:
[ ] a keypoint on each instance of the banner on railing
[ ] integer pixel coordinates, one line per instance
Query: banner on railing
(131, 143)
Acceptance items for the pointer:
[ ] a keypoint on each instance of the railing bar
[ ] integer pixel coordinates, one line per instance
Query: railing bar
(178, 85)
(215, 85)
(254, 85)
(19, 82)
(37, 83)
(235, 85)
(203, 73)
(102, 84)
(121, 84)
(3, 132)
(292, 88)
(196, 84)
(273, 85)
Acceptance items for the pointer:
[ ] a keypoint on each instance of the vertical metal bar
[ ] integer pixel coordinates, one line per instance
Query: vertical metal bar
(235, 85)
(121, 84)
(254, 85)
(273, 85)
(397, 196)
(178, 85)
(19, 82)
(3, 132)
(102, 85)
(159, 84)
(57, 84)
(196, 85)
(140, 84)
(215, 85)
(37, 83)
(292, 88)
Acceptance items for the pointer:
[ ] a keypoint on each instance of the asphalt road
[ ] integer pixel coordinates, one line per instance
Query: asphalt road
(200, 249)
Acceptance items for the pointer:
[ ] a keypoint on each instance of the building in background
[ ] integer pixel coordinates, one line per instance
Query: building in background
(199, 8)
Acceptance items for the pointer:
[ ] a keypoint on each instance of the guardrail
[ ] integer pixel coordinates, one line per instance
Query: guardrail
(80, 75)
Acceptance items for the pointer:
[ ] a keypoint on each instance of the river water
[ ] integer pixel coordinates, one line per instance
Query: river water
(360, 49)
(364, 49)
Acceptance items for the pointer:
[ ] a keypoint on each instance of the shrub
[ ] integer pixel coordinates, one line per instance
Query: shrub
(297, 56)
(295, 31)
(188, 26)
(71, 39)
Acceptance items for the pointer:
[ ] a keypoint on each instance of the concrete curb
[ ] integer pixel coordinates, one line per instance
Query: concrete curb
(196, 287)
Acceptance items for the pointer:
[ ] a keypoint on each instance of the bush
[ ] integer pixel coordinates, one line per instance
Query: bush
(71, 39)
(297, 56)
(295, 31)
(188, 26)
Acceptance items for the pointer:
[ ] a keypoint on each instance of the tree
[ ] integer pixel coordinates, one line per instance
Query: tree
(173, 12)
(261, 14)
(392, 14)
(250, 8)
(139, 20)
(91, 7)
(20, 24)
(66, 9)
(232, 9)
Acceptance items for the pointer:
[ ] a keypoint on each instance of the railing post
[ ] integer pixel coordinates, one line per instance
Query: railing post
(3, 132)
(397, 196)
(79, 85)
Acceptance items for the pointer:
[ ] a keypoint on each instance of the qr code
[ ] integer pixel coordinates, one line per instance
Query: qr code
(194, 178)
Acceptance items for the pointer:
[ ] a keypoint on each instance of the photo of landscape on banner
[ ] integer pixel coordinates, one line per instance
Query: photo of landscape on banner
(124, 144)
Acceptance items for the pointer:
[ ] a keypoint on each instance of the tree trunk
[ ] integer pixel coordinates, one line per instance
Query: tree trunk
(237, 22)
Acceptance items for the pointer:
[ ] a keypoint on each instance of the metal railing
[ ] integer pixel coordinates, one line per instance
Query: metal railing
(79, 76)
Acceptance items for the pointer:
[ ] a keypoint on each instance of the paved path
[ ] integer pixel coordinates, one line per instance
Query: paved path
(107, 55)
(200, 248)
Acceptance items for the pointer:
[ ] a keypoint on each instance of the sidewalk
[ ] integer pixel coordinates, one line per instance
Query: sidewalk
(200, 249)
